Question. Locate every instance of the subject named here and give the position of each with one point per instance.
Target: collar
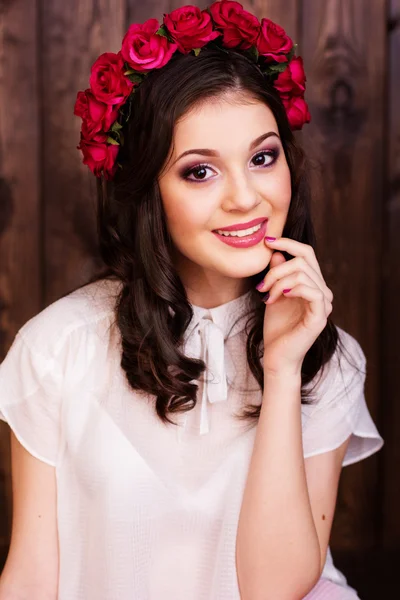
(205, 338)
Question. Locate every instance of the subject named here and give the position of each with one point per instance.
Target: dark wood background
(351, 50)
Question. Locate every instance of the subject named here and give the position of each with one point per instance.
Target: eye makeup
(185, 172)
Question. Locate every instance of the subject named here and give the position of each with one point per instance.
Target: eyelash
(274, 154)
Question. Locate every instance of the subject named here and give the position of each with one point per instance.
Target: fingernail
(265, 298)
(286, 291)
(259, 286)
(270, 239)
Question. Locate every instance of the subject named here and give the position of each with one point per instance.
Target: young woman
(175, 433)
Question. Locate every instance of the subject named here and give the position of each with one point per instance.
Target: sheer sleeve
(30, 398)
(340, 409)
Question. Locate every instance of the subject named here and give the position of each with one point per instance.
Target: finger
(296, 248)
(289, 282)
(293, 279)
(290, 266)
(315, 298)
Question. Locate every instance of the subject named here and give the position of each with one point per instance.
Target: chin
(245, 266)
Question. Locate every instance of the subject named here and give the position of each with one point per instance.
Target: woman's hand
(293, 320)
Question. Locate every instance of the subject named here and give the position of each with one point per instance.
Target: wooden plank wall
(344, 53)
(21, 251)
(47, 232)
(390, 479)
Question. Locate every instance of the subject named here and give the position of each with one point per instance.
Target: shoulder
(75, 313)
(72, 333)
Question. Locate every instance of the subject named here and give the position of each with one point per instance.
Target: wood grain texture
(138, 12)
(286, 14)
(344, 53)
(390, 400)
(20, 207)
(74, 34)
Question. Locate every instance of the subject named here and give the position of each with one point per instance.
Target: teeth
(240, 233)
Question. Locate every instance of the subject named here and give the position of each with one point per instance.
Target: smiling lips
(242, 226)
(243, 238)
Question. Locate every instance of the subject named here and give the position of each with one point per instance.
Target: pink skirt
(327, 590)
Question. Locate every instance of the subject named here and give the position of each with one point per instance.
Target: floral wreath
(105, 106)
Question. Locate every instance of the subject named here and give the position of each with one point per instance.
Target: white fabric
(148, 510)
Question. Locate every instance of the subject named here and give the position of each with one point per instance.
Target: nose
(240, 194)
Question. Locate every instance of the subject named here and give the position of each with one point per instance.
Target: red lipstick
(239, 226)
(245, 241)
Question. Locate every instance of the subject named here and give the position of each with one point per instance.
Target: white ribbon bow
(208, 344)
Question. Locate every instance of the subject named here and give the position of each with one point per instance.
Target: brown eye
(261, 157)
(199, 172)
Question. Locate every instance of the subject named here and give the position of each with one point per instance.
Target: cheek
(280, 189)
(186, 212)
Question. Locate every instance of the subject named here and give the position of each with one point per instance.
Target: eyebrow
(209, 152)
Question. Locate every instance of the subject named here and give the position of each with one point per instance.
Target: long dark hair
(136, 247)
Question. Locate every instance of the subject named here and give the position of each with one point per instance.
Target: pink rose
(190, 27)
(99, 156)
(143, 49)
(293, 79)
(297, 111)
(273, 43)
(107, 80)
(96, 115)
(239, 27)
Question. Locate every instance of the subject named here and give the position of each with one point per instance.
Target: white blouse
(148, 510)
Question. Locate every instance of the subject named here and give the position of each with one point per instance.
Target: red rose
(297, 111)
(99, 156)
(273, 42)
(143, 49)
(96, 115)
(239, 27)
(190, 27)
(293, 79)
(107, 80)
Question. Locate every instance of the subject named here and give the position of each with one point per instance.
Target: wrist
(282, 385)
(283, 374)
(286, 380)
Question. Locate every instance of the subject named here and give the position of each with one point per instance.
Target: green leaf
(292, 52)
(116, 126)
(253, 52)
(162, 31)
(196, 51)
(128, 72)
(111, 140)
(277, 68)
(136, 77)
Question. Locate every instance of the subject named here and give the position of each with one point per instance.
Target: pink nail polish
(259, 286)
(269, 238)
(286, 291)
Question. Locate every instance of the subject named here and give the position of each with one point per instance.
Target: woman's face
(229, 175)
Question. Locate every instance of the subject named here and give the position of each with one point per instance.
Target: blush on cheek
(281, 193)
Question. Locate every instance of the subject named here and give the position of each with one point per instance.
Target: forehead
(220, 124)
